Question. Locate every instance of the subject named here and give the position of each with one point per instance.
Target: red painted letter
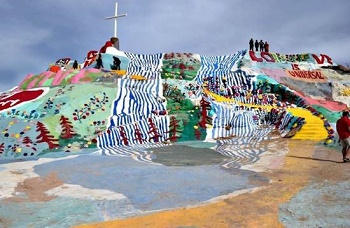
(254, 58)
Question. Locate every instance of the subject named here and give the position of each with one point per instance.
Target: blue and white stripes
(230, 122)
(145, 65)
(134, 118)
(217, 66)
(139, 118)
(239, 78)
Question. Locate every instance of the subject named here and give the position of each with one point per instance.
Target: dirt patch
(34, 189)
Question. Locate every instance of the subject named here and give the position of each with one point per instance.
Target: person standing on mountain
(251, 44)
(261, 44)
(75, 65)
(99, 63)
(266, 46)
(116, 63)
(343, 129)
(256, 45)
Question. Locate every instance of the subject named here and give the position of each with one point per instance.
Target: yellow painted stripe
(313, 129)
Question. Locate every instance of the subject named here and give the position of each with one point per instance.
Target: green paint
(180, 66)
(25, 84)
(40, 78)
(331, 116)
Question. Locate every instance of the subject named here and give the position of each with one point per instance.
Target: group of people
(259, 45)
(114, 66)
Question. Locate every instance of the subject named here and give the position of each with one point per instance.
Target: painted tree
(45, 137)
(123, 136)
(138, 134)
(28, 142)
(154, 131)
(174, 129)
(2, 148)
(67, 128)
(197, 133)
(205, 105)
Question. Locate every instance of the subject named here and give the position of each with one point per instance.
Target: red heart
(18, 98)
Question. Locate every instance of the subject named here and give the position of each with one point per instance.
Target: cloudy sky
(38, 32)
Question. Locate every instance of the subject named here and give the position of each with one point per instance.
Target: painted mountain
(154, 100)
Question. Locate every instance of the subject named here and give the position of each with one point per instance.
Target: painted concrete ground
(309, 187)
(289, 185)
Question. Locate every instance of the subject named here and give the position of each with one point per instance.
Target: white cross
(115, 18)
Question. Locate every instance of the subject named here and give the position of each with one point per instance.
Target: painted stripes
(141, 153)
(140, 64)
(134, 118)
(135, 124)
(217, 66)
(231, 122)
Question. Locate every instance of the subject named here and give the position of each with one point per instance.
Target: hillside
(158, 99)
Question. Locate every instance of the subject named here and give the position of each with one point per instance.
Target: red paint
(123, 136)
(205, 105)
(107, 44)
(67, 128)
(264, 56)
(254, 58)
(313, 75)
(295, 66)
(138, 134)
(90, 57)
(45, 136)
(154, 130)
(322, 59)
(18, 98)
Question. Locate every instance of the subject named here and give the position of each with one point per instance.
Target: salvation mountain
(154, 100)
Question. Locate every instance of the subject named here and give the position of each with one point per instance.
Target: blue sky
(37, 33)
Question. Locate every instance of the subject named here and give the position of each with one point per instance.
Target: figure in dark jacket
(116, 63)
(261, 44)
(256, 45)
(99, 63)
(75, 65)
(251, 44)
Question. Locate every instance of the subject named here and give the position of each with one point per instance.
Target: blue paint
(149, 186)
(60, 212)
(319, 205)
(63, 212)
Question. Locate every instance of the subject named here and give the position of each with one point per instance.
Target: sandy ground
(307, 164)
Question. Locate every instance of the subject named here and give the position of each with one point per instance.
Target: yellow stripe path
(313, 129)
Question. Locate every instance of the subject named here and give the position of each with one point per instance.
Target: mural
(277, 57)
(155, 100)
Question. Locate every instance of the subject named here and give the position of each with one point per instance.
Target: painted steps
(313, 129)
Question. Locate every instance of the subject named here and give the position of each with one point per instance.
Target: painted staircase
(313, 129)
